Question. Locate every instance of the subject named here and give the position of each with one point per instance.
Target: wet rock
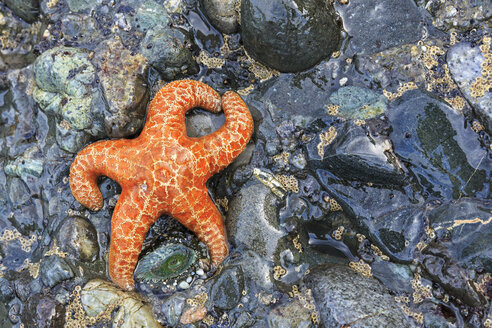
(463, 230)
(4, 316)
(367, 24)
(29, 164)
(465, 63)
(18, 40)
(148, 14)
(344, 297)
(28, 10)
(462, 14)
(44, 312)
(290, 314)
(65, 80)
(394, 276)
(222, 14)
(252, 220)
(97, 295)
(255, 268)
(392, 219)
(81, 5)
(225, 292)
(23, 288)
(168, 50)
(78, 237)
(199, 123)
(446, 158)
(358, 103)
(289, 35)
(121, 74)
(80, 29)
(173, 307)
(350, 154)
(6, 291)
(54, 270)
(451, 277)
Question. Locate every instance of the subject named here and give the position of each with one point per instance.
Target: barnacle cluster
(332, 109)
(278, 272)
(401, 90)
(224, 202)
(282, 158)
(212, 62)
(361, 267)
(11, 235)
(289, 182)
(297, 244)
(379, 253)
(483, 83)
(307, 301)
(54, 250)
(326, 138)
(334, 206)
(420, 291)
(337, 234)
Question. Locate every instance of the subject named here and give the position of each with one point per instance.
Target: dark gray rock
(252, 220)
(289, 35)
(80, 29)
(78, 237)
(465, 64)
(168, 50)
(28, 10)
(225, 292)
(463, 230)
(344, 297)
(376, 25)
(54, 270)
(6, 291)
(172, 307)
(352, 155)
(44, 312)
(222, 14)
(444, 156)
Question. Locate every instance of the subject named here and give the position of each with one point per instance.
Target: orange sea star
(163, 171)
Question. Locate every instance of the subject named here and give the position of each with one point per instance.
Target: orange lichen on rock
(163, 171)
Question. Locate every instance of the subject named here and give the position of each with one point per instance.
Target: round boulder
(289, 35)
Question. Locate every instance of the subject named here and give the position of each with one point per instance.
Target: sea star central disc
(163, 171)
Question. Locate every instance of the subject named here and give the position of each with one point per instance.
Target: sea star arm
(225, 144)
(93, 161)
(166, 113)
(204, 219)
(132, 217)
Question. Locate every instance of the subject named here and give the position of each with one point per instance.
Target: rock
(173, 307)
(289, 35)
(446, 157)
(367, 24)
(463, 14)
(80, 29)
(65, 87)
(290, 314)
(199, 123)
(350, 154)
(97, 295)
(222, 14)
(465, 63)
(4, 316)
(344, 297)
(396, 277)
(463, 231)
(78, 237)
(54, 270)
(255, 268)
(252, 220)
(44, 312)
(226, 290)
(148, 14)
(28, 10)
(168, 50)
(30, 163)
(81, 5)
(358, 103)
(6, 291)
(18, 40)
(121, 74)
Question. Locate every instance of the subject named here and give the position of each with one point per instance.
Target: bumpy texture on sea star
(163, 171)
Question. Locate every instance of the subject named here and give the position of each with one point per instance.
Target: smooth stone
(358, 103)
(255, 268)
(289, 35)
(226, 290)
(344, 297)
(222, 14)
(394, 276)
(98, 294)
(252, 220)
(290, 314)
(199, 123)
(172, 308)
(78, 237)
(168, 50)
(376, 25)
(465, 64)
(447, 159)
(54, 270)
(122, 77)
